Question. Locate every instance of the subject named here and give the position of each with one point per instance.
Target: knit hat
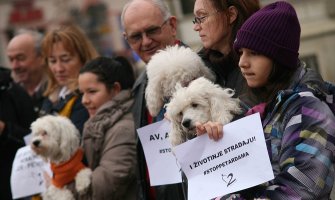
(273, 31)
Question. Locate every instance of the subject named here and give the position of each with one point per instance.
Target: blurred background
(100, 19)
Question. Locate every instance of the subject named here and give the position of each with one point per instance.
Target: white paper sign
(162, 165)
(27, 173)
(238, 161)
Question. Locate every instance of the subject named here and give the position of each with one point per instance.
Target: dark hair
(111, 70)
(245, 9)
(278, 79)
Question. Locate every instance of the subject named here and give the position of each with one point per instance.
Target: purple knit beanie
(273, 31)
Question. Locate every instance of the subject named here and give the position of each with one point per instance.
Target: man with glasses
(149, 27)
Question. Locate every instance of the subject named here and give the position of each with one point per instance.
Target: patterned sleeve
(304, 150)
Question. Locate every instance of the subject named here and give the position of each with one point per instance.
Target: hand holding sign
(225, 165)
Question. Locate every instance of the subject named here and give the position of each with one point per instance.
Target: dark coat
(165, 192)
(16, 110)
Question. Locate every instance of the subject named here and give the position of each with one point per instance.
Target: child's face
(95, 93)
(255, 67)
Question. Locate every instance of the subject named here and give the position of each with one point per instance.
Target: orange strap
(65, 173)
(66, 111)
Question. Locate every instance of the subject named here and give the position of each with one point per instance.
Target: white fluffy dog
(201, 101)
(56, 139)
(174, 64)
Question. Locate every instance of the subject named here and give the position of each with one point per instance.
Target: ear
(173, 23)
(154, 98)
(222, 105)
(116, 88)
(176, 134)
(215, 103)
(232, 14)
(124, 35)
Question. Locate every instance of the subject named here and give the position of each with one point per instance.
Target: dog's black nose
(36, 143)
(187, 123)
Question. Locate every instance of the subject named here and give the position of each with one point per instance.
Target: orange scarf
(65, 173)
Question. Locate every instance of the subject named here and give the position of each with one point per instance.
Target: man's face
(24, 61)
(146, 30)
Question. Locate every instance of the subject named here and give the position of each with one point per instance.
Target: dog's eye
(43, 133)
(180, 114)
(194, 105)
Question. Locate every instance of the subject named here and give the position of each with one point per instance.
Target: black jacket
(16, 111)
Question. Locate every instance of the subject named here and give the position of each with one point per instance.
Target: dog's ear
(223, 106)
(154, 97)
(176, 134)
(69, 141)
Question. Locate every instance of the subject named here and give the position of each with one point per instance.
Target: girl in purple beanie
(298, 123)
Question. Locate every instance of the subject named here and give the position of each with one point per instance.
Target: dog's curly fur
(56, 139)
(201, 101)
(172, 65)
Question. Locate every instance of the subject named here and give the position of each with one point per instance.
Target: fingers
(213, 129)
(200, 129)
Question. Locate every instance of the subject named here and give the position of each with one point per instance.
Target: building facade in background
(101, 21)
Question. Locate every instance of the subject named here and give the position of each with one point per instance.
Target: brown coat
(110, 149)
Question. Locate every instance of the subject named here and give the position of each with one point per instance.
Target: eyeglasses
(150, 32)
(200, 20)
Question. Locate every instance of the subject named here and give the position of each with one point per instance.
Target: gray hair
(160, 4)
(37, 38)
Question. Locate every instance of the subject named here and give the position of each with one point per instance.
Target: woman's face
(256, 68)
(64, 65)
(95, 93)
(212, 26)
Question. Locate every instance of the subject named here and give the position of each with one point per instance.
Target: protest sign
(27, 173)
(237, 161)
(163, 166)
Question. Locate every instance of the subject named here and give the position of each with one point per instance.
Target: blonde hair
(75, 41)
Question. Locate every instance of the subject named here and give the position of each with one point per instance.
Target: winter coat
(16, 110)
(77, 113)
(299, 129)
(141, 118)
(110, 149)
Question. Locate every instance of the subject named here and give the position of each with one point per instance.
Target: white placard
(162, 165)
(27, 173)
(237, 161)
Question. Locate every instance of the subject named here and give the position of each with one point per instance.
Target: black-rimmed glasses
(150, 32)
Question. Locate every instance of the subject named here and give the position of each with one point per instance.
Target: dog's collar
(65, 173)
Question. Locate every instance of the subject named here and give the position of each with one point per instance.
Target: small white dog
(174, 64)
(201, 101)
(56, 139)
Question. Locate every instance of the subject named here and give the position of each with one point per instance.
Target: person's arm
(305, 153)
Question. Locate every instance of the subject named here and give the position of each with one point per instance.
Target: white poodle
(201, 101)
(56, 139)
(174, 64)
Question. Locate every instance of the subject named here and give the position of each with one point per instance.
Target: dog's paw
(54, 193)
(83, 180)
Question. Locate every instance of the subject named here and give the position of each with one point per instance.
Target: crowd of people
(253, 50)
